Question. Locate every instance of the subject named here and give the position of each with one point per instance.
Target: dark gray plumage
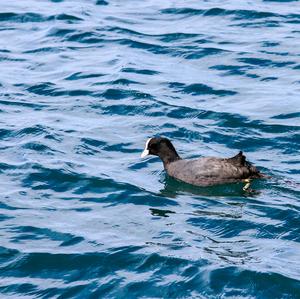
(203, 171)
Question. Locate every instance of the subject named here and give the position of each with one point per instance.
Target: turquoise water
(83, 84)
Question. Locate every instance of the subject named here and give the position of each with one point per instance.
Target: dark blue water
(83, 84)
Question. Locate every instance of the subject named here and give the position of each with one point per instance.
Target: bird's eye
(153, 146)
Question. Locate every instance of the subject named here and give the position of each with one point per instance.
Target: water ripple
(81, 90)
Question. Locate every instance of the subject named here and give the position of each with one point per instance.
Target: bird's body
(210, 171)
(203, 172)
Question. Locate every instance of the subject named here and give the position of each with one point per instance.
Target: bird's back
(210, 170)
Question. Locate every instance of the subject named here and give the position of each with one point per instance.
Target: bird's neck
(169, 158)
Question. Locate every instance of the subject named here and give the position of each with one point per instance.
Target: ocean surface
(84, 84)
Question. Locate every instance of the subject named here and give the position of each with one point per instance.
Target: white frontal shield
(146, 151)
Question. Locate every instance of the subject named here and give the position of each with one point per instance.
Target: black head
(161, 147)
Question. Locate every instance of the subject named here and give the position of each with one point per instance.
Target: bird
(203, 172)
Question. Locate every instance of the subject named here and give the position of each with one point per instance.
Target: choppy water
(83, 85)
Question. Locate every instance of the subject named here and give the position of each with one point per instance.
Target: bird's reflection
(174, 188)
(160, 212)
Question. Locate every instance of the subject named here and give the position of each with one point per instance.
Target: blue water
(83, 84)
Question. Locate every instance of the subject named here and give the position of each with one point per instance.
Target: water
(84, 84)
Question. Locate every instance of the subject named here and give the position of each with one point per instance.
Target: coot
(203, 172)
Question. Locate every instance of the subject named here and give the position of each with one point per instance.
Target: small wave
(202, 52)
(117, 94)
(33, 131)
(25, 104)
(168, 37)
(21, 17)
(44, 49)
(49, 89)
(80, 75)
(212, 12)
(85, 37)
(102, 2)
(40, 148)
(135, 44)
(232, 70)
(200, 89)
(37, 233)
(61, 180)
(287, 116)
(60, 32)
(65, 17)
(178, 36)
(265, 62)
(140, 71)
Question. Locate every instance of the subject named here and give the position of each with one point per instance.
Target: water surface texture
(83, 84)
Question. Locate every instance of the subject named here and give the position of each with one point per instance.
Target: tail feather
(240, 160)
